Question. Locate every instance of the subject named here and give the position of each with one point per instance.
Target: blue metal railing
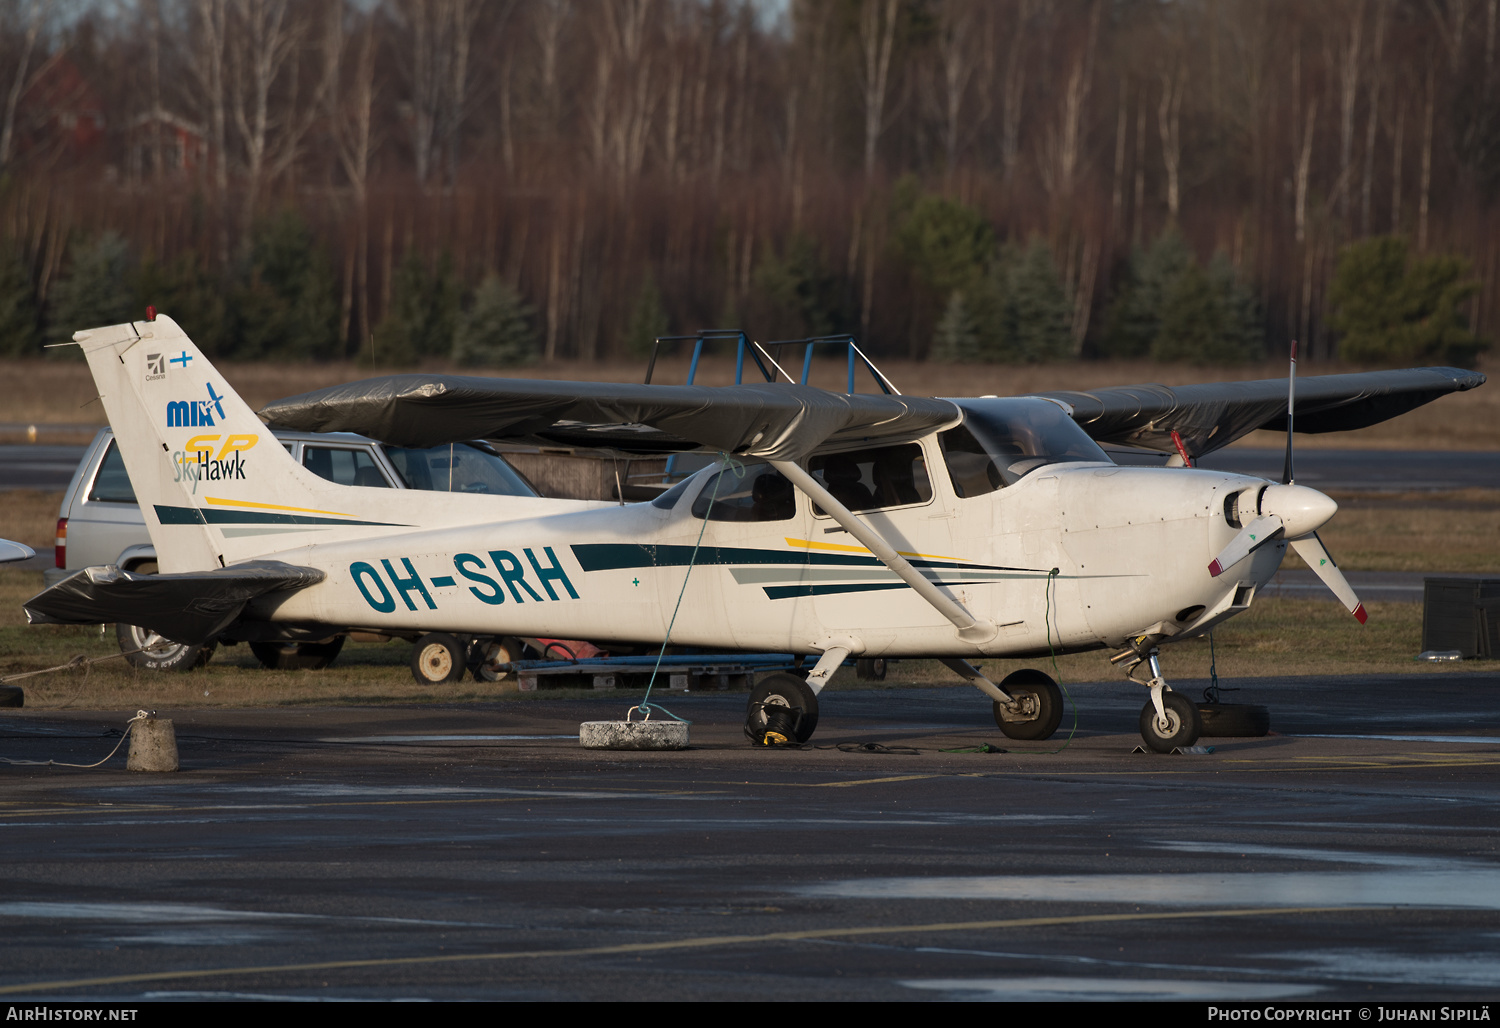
(762, 355)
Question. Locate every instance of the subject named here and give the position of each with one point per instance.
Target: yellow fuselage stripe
(272, 506)
(810, 544)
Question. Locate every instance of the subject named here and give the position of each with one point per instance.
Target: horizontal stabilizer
(189, 608)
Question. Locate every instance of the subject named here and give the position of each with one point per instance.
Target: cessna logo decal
(198, 462)
(156, 367)
(405, 582)
(196, 413)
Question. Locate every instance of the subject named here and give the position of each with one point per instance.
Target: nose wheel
(1169, 720)
(1176, 725)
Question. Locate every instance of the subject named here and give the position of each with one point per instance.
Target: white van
(100, 523)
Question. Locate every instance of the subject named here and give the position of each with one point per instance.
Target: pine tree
(497, 331)
(1039, 315)
(1392, 308)
(286, 304)
(795, 294)
(956, 340)
(422, 318)
(185, 290)
(1242, 335)
(648, 319)
(1135, 314)
(94, 292)
(19, 335)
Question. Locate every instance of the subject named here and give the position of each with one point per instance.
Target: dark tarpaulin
(189, 608)
(775, 421)
(1213, 415)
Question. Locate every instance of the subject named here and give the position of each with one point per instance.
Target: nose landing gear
(1169, 720)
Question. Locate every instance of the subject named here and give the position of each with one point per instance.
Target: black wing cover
(1210, 416)
(776, 421)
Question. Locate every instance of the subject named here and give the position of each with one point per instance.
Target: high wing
(781, 421)
(1215, 414)
(774, 421)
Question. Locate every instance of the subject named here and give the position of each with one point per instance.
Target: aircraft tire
(489, 651)
(12, 696)
(295, 656)
(870, 669)
(781, 690)
(1049, 700)
(1234, 720)
(1184, 725)
(437, 659)
(146, 649)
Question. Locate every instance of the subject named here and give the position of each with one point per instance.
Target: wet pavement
(476, 852)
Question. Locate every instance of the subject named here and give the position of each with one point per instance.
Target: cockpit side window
(761, 494)
(972, 469)
(1003, 440)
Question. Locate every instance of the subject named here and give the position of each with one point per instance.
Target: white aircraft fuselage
(1130, 547)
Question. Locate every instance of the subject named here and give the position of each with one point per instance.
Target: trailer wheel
(437, 659)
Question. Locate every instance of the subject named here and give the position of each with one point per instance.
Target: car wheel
(147, 649)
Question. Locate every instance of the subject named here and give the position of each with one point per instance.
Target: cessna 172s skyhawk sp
(836, 525)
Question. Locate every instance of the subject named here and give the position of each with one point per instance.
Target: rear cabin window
(887, 476)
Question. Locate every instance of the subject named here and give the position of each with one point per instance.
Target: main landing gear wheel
(295, 656)
(1234, 720)
(782, 709)
(437, 659)
(1048, 701)
(1182, 726)
(870, 669)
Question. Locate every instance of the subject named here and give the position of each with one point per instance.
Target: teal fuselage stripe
(785, 592)
(195, 516)
(633, 556)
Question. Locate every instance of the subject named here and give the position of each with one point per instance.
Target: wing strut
(970, 629)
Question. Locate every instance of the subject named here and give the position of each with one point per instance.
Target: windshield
(1001, 441)
(458, 468)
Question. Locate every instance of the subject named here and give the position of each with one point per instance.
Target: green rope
(738, 470)
(1056, 671)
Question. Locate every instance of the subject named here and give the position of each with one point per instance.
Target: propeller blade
(1315, 555)
(1252, 537)
(1291, 404)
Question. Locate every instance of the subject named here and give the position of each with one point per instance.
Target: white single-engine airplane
(836, 525)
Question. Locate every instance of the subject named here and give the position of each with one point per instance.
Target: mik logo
(406, 583)
(196, 413)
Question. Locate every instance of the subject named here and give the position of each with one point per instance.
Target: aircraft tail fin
(213, 482)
